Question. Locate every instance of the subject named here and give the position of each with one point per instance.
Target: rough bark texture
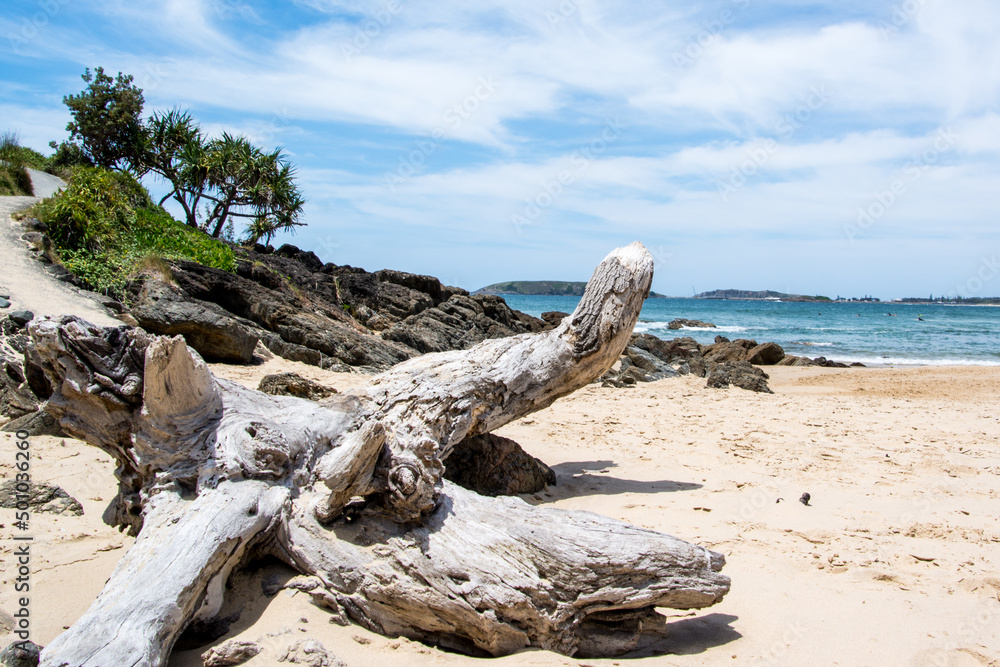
(350, 491)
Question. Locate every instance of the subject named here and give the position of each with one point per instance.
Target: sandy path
(45, 185)
(25, 281)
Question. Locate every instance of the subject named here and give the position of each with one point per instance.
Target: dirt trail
(24, 280)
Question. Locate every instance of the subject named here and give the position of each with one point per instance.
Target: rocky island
(541, 288)
(761, 295)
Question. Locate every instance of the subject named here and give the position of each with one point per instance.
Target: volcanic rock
(166, 310)
(492, 465)
(766, 354)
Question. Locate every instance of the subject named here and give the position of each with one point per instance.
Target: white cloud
(839, 106)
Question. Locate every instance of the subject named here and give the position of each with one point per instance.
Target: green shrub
(65, 157)
(105, 228)
(14, 159)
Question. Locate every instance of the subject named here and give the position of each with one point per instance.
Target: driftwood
(350, 492)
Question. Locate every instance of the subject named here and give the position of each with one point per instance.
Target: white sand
(896, 561)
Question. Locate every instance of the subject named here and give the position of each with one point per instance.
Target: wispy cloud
(439, 123)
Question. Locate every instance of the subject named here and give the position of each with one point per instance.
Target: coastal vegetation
(105, 229)
(106, 125)
(218, 180)
(215, 180)
(14, 163)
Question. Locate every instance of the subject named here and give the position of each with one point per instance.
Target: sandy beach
(896, 560)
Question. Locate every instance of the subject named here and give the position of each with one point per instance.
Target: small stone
(21, 317)
(20, 654)
(805, 498)
(232, 652)
(4, 303)
(310, 652)
(293, 384)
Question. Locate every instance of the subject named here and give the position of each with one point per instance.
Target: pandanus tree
(216, 181)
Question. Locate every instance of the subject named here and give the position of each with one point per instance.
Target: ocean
(846, 332)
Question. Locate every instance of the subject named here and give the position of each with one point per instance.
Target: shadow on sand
(574, 479)
(689, 636)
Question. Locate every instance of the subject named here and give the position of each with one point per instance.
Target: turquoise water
(848, 332)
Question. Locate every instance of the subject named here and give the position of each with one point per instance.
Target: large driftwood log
(350, 492)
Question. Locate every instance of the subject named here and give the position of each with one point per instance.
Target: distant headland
(541, 288)
(762, 295)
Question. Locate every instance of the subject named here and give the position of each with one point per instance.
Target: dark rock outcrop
(492, 465)
(16, 397)
(38, 422)
(765, 354)
(335, 316)
(306, 324)
(305, 257)
(655, 368)
(456, 324)
(792, 360)
(683, 355)
(728, 352)
(216, 336)
(827, 363)
(20, 318)
(554, 318)
(293, 384)
(741, 374)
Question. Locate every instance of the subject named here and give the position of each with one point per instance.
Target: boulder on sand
(766, 354)
(728, 352)
(792, 360)
(492, 465)
(166, 310)
(741, 374)
(293, 384)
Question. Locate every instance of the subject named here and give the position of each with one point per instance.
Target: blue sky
(831, 148)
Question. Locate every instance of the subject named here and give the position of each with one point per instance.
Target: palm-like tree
(222, 178)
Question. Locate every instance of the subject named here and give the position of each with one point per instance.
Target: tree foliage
(107, 121)
(218, 180)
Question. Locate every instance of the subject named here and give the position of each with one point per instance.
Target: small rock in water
(20, 654)
(805, 498)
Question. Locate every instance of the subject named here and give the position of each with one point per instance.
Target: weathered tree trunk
(350, 492)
